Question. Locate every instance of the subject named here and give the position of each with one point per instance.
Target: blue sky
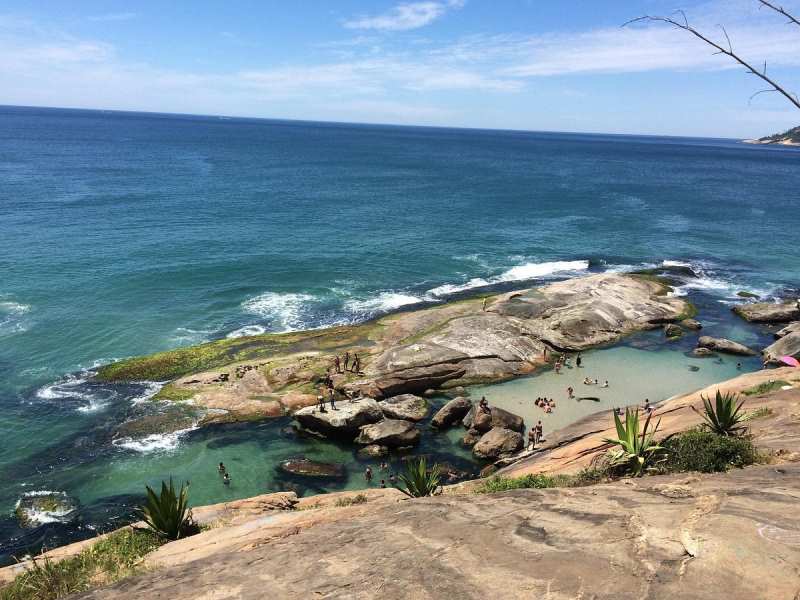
(558, 65)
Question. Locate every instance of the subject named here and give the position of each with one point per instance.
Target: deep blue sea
(127, 233)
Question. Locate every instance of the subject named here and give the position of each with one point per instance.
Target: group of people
(222, 470)
(646, 407)
(589, 381)
(535, 435)
(343, 365)
(368, 475)
(563, 361)
(547, 405)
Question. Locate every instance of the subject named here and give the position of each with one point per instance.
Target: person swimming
(226, 479)
(605, 385)
(221, 468)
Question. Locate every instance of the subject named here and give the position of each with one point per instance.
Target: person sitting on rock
(484, 404)
(647, 406)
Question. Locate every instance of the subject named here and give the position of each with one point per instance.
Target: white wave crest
(38, 515)
(448, 289)
(151, 388)
(383, 302)
(247, 330)
(68, 388)
(156, 442)
(283, 310)
(12, 317)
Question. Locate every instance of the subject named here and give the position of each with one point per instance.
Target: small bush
(707, 452)
(759, 413)
(168, 513)
(724, 416)
(763, 388)
(541, 481)
(418, 480)
(351, 500)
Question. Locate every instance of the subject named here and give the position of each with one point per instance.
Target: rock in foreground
(498, 442)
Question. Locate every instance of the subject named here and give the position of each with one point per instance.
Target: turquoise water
(125, 234)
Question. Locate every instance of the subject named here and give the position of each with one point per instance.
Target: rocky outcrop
(36, 508)
(405, 406)
(702, 352)
(768, 312)
(692, 324)
(790, 328)
(672, 331)
(787, 345)
(344, 422)
(392, 433)
(724, 345)
(451, 413)
(496, 417)
(416, 380)
(496, 443)
(305, 467)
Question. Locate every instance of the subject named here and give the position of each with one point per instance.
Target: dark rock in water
(672, 331)
(767, 312)
(702, 353)
(497, 417)
(174, 418)
(451, 413)
(679, 270)
(724, 345)
(694, 368)
(305, 467)
(692, 324)
(429, 393)
(497, 443)
(37, 508)
(393, 433)
(746, 294)
(405, 406)
(373, 451)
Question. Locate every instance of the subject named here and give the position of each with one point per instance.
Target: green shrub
(350, 500)
(418, 480)
(637, 452)
(724, 416)
(541, 481)
(763, 388)
(707, 452)
(168, 514)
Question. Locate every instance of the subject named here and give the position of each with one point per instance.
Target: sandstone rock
(417, 379)
(724, 345)
(672, 331)
(482, 421)
(767, 312)
(310, 468)
(373, 451)
(405, 406)
(457, 391)
(471, 438)
(498, 442)
(788, 345)
(702, 352)
(692, 324)
(344, 422)
(790, 328)
(497, 417)
(394, 433)
(451, 413)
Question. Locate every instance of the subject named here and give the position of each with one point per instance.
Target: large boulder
(790, 328)
(768, 312)
(672, 331)
(692, 324)
(497, 417)
(310, 468)
(416, 380)
(343, 422)
(788, 345)
(724, 345)
(497, 442)
(393, 433)
(451, 413)
(406, 406)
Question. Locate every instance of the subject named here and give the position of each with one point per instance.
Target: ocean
(129, 233)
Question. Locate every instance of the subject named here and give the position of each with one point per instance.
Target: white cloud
(120, 16)
(410, 15)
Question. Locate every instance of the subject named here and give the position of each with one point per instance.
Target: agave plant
(724, 417)
(637, 451)
(418, 480)
(168, 514)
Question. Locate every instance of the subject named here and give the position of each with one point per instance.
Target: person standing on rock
(356, 364)
(338, 364)
(332, 397)
(346, 359)
(539, 432)
(321, 403)
(532, 438)
(485, 300)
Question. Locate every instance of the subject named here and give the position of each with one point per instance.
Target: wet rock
(471, 438)
(305, 467)
(406, 406)
(457, 391)
(692, 324)
(429, 393)
(451, 413)
(767, 312)
(497, 443)
(702, 352)
(672, 331)
(724, 345)
(373, 451)
(344, 422)
(37, 508)
(393, 433)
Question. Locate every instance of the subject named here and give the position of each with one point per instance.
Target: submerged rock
(724, 345)
(702, 353)
(406, 406)
(498, 442)
(767, 312)
(451, 413)
(672, 331)
(692, 324)
(471, 438)
(373, 451)
(394, 433)
(38, 508)
(310, 468)
(345, 421)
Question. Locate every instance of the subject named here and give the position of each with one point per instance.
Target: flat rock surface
(406, 406)
(769, 312)
(732, 536)
(345, 420)
(393, 433)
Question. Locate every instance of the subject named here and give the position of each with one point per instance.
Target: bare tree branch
(781, 10)
(774, 85)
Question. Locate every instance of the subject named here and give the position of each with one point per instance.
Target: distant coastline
(787, 138)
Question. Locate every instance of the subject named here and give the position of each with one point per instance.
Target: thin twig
(781, 10)
(721, 50)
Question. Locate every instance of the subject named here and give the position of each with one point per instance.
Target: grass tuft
(351, 500)
(541, 481)
(766, 387)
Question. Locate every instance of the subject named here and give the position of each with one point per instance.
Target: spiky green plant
(418, 480)
(168, 514)
(637, 452)
(724, 417)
